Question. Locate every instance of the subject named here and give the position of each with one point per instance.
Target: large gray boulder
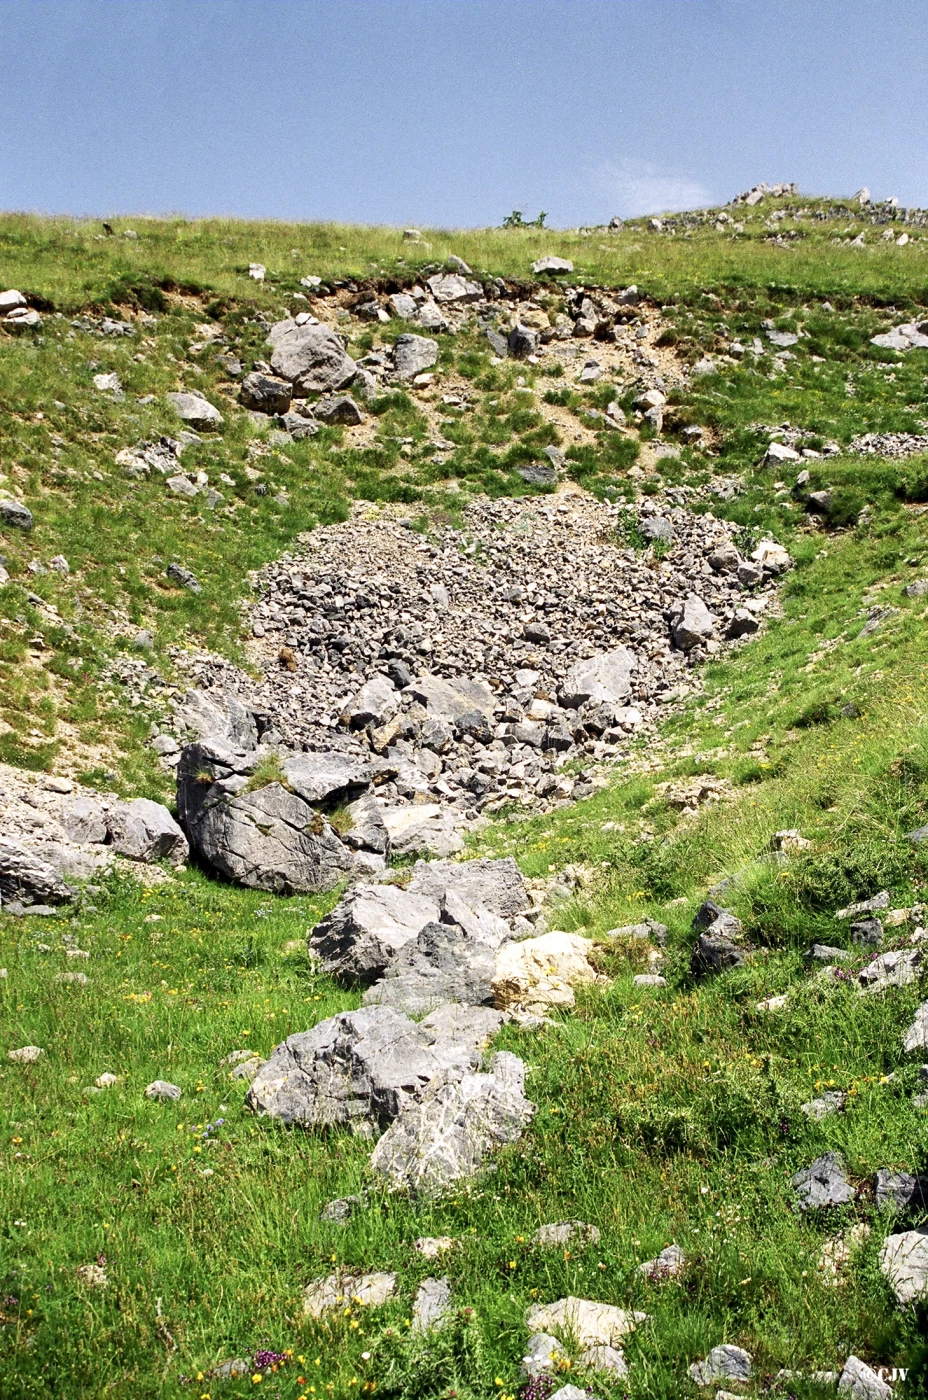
(451, 699)
(145, 831)
(424, 828)
(26, 876)
(361, 1068)
(496, 885)
(197, 412)
(362, 935)
(312, 358)
(456, 1122)
(605, 679)
(367, 830)
(412, 354)
(266, 838)
(441, 965)
(448, 288)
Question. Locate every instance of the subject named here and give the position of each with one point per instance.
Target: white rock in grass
(591, 1324)
(859, 1380)
(27, 1055)
(724, 1363)
(916, 1037)
(904, 1262)
(94, 1275)
(104, 1081)
(342, 1289)
(432, 1246)
(538, 973)
(161, 1089)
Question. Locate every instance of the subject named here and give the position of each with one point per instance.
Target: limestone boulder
(312, 358)
(537, 974)
(449, 1132)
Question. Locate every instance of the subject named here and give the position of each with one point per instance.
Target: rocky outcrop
(311, 358)
(25, 876)
(361, 1067)
(367, 928)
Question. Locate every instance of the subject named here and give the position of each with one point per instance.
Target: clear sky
(453, 112)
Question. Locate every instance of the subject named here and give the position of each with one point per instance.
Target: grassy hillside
(664, 1115)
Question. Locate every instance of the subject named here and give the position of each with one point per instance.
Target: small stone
(566, 1232)
(27, 1055)
(904, 1263)
(668, 1264)
(724, 1363)
(339, 1290)
(93, 1275)
(106, 1080)
(552, 264)
(823, 1107)
(824, 1183)
(858, 1380)
(433, 1246)
(161, 1089)
(431, 1304)
(14, 514)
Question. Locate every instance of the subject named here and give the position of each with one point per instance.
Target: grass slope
(668, 1115)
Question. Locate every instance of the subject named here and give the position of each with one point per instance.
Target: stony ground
(614, 596)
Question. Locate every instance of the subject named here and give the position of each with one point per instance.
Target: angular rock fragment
(342, 1289)
(312, 358)
(432, 1304)
(824, 1183)
(24, 875)
(441, 965)
(367, 928)
(724, 1363)
(453, 1127)
(904, 1263)
(860, 1381)
(539, 973)
(588, 1323)
(361, 1068)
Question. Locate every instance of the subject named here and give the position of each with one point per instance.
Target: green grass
(670, 1115)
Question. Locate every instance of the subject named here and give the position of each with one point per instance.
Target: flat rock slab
(668, 1264)
(319, 776)
(724, 1363)
(23, 874)
(361, 1068)
(901, 1190)
(588, 1323)
(916, 1037)
(904, 1263)
(423, 829)
(342, 1289)
(455, 1125)
(497, 885)
(162, 1089)
(824, 1183)
(451, 699)
(566, 1232)
(601, 680)
(432, 1304)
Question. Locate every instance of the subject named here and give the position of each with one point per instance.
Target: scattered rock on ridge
(195, 410)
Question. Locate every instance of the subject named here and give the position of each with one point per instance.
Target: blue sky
(453, 112)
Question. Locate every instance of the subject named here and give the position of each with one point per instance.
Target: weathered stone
(145, 831)
(587, 1323)
(264, 393)
(432, 1304)
(196, 411)
(375, 703)
(269, 838)
(898, 968)
(26, 1054)
(325, 776)
(362, 935)
(403, 306)
(608, 1360)
(450, 699)
(552, 264)
(859, 1380)
(441, 965)
(824, 1183)
(602, 679)
(26, 876)
(433, 1246)
(361, 1067)
(161, 1089)
(457, 1122)
(564, 1233)
(904, 1263)
(696, 624)
(714, 952)
(496, 885)
(901, 1190)
(341, 409)
(542, 1355)
(522, 342)
(539, 973)
(724, 1363)
(668, 1264)
(423, 829)
(412, 354)
(338, 1290)
(367, 830)
(916, 1037)
(16, 515)
(312, 358)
